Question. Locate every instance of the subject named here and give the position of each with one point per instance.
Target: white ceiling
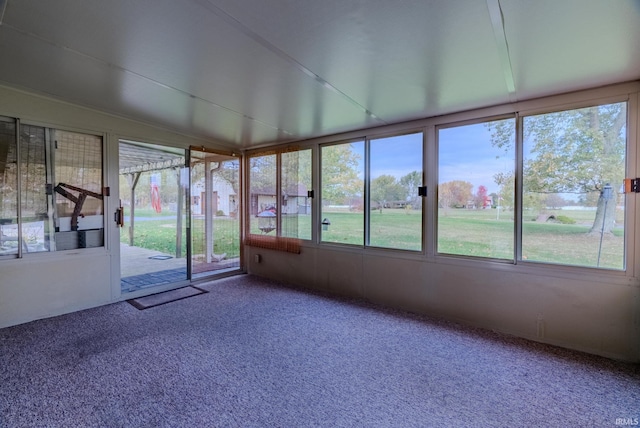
(252, 72)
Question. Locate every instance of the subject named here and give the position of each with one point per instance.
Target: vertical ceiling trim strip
(497, 23)
(3, 7)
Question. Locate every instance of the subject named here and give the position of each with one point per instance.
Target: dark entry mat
(160, 257)
(158, 299)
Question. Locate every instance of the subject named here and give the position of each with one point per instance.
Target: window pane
(36, 226)
(396, 208)
(262, 193)
(8, 189)
(296, 205)
(476, 190)
(215, 205)
(574, 166)
(342, 188)
(77, 176)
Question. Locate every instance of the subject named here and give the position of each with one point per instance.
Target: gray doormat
(160, 257)
(158, 299)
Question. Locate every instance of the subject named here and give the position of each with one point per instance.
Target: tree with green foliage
(386, 188)
(506, 181)
(262, 174)
(340, 182)
(574, 151)
(296, 170)
(554, 201)
(410, 183)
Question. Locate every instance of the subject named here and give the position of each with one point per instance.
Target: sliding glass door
(179, 215)
(154, 184)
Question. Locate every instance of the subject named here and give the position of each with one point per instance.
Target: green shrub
(564, 219)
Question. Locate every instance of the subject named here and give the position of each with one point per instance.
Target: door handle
(118, 216)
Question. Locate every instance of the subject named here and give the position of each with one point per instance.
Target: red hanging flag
(155, 198)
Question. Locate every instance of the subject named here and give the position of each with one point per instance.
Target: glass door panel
(10, 239)
(154, 183)
(215, 208)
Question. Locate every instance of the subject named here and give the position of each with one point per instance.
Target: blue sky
(465, 153)
(396, 156)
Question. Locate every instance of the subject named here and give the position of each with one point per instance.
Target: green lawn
(160, 234)
(480, 233)
(477, 233)
(479, 236)
(389, 229)
(571, 244)
(149, 212)
(226, 238)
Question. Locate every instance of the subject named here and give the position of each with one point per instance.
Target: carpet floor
(253, 353)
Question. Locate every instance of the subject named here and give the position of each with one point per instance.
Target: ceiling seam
(141, 76)
(229, 19)
(497, 23)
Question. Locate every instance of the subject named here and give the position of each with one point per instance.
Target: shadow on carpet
(165, 297)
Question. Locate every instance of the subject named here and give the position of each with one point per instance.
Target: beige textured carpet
(252, 353)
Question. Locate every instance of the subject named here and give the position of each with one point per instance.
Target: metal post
(208, 210)
(179, 216)
(132, 179)
(19, 186)
(606, 194)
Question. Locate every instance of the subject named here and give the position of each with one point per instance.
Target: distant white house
(224, 198)
(295, 200)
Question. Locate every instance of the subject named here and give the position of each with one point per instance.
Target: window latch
(422, 191)
(632, 185)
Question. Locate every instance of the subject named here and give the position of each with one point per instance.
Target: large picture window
(280, 204)
(395, 176)
(295, 201)
(77, 185)
(476, 189)
(263, 193)
(342, 188)
(571, 208)
(370, 192)
(57, 177)
(534, 188)
(573, 170)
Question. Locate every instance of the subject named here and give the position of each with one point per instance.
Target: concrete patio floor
(139, 271)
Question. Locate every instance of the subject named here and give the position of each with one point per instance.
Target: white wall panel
(340, 272)
(52, 284)
(43, 285)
